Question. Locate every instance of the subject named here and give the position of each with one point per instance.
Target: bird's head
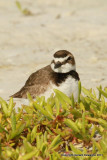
(63, 62)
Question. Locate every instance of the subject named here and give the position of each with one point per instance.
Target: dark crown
(61, 54)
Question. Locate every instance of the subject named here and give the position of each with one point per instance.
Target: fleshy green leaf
(13, 121)
(102, 92)
(72, 125)
(63, 96)
(79, 91)
(55, 142)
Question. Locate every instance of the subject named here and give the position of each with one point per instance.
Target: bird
(60, 74)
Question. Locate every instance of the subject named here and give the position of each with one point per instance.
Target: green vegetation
(46, 130)
(24, 11)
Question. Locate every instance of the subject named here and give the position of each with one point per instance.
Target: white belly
(69, 86)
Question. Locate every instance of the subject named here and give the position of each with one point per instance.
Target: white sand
(28, 42)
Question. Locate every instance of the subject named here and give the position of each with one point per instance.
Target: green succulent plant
(56, 129)
(24, 11)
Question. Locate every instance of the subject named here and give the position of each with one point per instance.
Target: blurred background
(31, 31)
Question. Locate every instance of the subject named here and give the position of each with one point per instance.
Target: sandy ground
(27, 43)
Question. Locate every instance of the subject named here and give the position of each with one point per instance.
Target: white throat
(67, 67)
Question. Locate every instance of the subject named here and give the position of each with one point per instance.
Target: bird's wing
(36, 84)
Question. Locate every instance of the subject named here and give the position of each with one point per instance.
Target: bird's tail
(16, 95)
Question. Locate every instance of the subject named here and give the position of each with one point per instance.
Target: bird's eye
(69, 58)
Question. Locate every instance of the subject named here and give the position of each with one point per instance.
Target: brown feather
(39, 81)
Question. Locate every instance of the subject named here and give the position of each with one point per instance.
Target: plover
(60, 74)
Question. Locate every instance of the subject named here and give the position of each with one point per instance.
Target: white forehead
(61, 59)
